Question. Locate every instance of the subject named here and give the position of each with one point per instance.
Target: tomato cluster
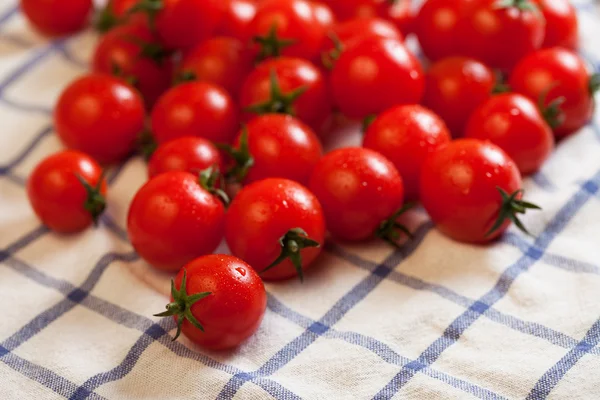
(231, 102)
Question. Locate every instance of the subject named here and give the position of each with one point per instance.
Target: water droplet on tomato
(241, 270)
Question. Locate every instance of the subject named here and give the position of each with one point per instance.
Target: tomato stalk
(94, 203)
(241, 156)
(208, 180)
(146, 144)
(150, 7)
(521, 5)
(552, 113)
(511, 206)
(291, 244)
(278, 103)
(271, 45)
(594, 83)
(367, 121)
(149, 50)
(185, 76)
(181, 305)
(328, 58)
(389, 230)
(106, 19)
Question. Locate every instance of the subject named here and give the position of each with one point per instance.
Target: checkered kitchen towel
(433, 320)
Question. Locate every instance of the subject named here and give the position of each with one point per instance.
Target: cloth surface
(434, 319)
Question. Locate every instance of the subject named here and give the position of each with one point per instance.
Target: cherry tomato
(561, 23)
(289, 86)
(276, 226)
(57, 17)
(67, 191)
(374, 75)
(437, 26)
(218, 301)
(500, 34)
(223, 61)
(182, 24)
(472, 190)
(396, 11)
(237, 19)
(361, 193)
(288, 28)
(101, 116)
(275, 146)
(513, 123)
(175, 218)
(402, 15)
(406, 135)
(455, 86)
(195, 109)
(131, 52)
(324, 15)
(189, 153)
(560, 79)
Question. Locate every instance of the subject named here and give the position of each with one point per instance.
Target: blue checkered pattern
(455, 350)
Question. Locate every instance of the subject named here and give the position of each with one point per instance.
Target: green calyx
(552, 112)
(279, 103)
(117, 71)
(241, 156)
(594, 84)
(146, 144)
(185, 76)
(367, 121)
(181, 305)
(390, 230)
(149, 50)
(208, 179)
(329, 58)
(291, 244)
(150, 7)
(510, 208)
(94, 203)
(106, 19)
(271, 45)
(521, 5)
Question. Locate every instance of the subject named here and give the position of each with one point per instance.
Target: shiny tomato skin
(565, 74)
(237, 19)
(437, 25)
(57, 17)
(324, 15)
(282, 147)
(374, 75)
(406, 135)
(265, 211)
(500, 36)
(195, 109)
(513, 123)
(562, 26)
(182, 24)
(56, 194)
(221, 60)
(455, 86)
(313, 107)
(459, 188)
(118, 48)
(234, 309)
(293, 20)
(100, 115)
(173, 220)
(189, 153)
(358, 189)
(402, 15)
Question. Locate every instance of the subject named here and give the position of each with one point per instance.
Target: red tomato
(101, 116)
(277, 226)
(437, 25)
(195, 109)
(237, 19)
(374, 75)
(397, 11)
(130, 52)
(406, 135)
(218, 301)
(324, 15)
(182, 24)
(175, 218)
(289, 86)
(189, 153)
(472, 190)
(561, 23)
(275, 146)
(455, 87)
(57, 17)
(67, 191)
(360, 191)
(288, 28)
(223, 61)
(500, 34)
(402, 15)
(558, 77)
(513, 123)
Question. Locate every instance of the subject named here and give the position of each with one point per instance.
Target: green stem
(292, 244)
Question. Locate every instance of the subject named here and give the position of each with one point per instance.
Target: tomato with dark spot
(562, 27)
(57, 17)
(359, 190)
(276, 224)
(195, 109)
(189, 153)
(514, 123)
(174, 219)
(218, 301)
(455, 86)
(67, 191)
(100, 115)
(406, 135)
